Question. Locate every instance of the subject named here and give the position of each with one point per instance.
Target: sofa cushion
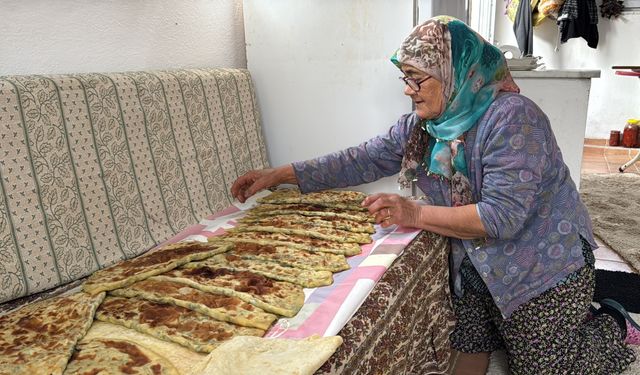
(95, 168)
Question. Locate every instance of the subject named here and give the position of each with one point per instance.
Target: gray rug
(613, 201)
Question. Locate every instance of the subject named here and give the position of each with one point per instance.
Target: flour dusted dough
(186, 361)
(244, 355)
(116, 356)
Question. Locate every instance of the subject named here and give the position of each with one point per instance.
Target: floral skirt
(551, 334)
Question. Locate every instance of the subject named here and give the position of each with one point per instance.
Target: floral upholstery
(95, 168)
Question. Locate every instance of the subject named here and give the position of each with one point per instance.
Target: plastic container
(630, 134)
(614, 138)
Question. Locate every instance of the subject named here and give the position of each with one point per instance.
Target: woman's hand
(392, 209)
(458, 222)
(259, 179)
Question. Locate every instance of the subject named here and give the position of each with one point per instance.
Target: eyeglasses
(412, 83)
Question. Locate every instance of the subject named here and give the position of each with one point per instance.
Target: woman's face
(428, 99)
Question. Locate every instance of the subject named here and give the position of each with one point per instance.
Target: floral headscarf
(472, 72)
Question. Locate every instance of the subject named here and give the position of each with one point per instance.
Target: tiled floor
(607, 259)
(597, 157)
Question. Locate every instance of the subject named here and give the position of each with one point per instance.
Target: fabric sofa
(96, 168)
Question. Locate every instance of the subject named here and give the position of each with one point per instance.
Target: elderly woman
(521, 261)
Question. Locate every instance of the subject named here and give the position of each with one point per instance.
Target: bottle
(630, 134)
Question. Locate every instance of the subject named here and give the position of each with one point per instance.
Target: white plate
(514, 68)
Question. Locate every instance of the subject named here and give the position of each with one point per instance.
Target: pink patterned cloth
(633, 335)
(326, 309)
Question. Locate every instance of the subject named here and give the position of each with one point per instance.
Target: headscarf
(472, 72)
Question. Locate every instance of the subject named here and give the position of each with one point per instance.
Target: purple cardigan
(526, 199)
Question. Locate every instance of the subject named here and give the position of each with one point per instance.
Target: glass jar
(630, 134)
(635, 122)
(614, 138)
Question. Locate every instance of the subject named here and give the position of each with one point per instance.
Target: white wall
(613, 98)
(323, 76)
(68, 36)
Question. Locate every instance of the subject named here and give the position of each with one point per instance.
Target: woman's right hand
(259, 179)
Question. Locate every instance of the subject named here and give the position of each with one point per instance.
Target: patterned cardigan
(526, 199)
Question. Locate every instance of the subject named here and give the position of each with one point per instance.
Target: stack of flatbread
(190, 297)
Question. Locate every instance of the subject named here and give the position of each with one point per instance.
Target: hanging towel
(523, 28)
(579, 18)
(536, 14)
(550, 8)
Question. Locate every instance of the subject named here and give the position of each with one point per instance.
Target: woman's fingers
(383, 206)
(254, 181)
(390, 209)
(259, 184)
(383, 216)
(245, 185)
(241, 184)
(377, 202)
(371, 199)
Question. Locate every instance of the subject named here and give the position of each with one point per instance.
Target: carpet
(623, 287)
(613, 201)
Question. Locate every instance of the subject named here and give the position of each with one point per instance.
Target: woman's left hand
(392, 209)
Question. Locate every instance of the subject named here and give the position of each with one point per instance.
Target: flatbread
(152, 263)
(304, 277)
(291, 257)
(294, 220)
(348, 200)
(109, 356)
(254, 355)
(278, 297)
(186, 361)
(294, 241)
(305, 229)
(341, 196)
(188, 328)
(217, 306)
(39, 338)
(266, 209)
